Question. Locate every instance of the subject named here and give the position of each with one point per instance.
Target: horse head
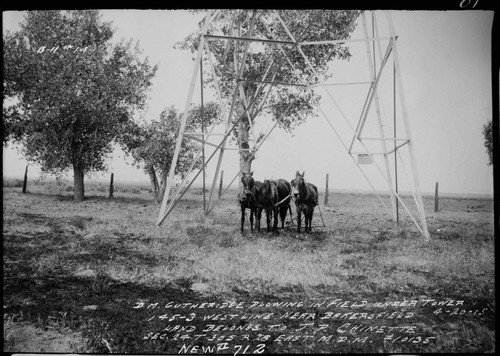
(248, 185)
(297, 184)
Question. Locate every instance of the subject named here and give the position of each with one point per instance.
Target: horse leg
(258, 215)
(299, 213)
(283, 216)
(252, 211)
(309, 218)
(269, 215)
(242, 217)
(276, 218)
(306, 218)
(306, 221)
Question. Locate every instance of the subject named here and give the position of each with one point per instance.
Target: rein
(282, 200)
(285, 198)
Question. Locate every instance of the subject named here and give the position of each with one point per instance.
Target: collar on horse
(243, 197)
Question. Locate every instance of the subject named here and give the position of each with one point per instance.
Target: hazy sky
(445, 61)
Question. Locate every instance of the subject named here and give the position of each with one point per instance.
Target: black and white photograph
(249, 181)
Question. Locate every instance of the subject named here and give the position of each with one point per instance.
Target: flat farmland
(100, 276)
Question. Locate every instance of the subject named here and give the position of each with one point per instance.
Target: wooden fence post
(25, 182)
(111, 186)
(220, 184)
(436, 198)
(326, 190)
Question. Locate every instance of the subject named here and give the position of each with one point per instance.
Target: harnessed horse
(274, 197)
(267, 199)
(247, 197)
(306, 198)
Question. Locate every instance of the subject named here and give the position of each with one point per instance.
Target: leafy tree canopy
(488, 140)
(303, 25)
(290, 63)
(152, 144)
(70, 89)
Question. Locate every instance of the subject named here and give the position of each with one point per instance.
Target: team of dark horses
(274, 197)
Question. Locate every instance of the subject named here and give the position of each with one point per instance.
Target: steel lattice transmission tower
(376, 150)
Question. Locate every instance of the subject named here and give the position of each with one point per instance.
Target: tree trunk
(111, 185)
(25, 182)
(79, 188)
(155, 187)
(163, 185)
(246, 158)
(245, 162)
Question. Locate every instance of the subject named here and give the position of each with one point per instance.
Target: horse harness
(307, 194)
(276, 194)
(242, 196)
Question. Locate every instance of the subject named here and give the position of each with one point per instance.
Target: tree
(151, 144)
(70, 90)
(488, 140)
(288, 105)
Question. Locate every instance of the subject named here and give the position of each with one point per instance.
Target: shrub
(13, 183)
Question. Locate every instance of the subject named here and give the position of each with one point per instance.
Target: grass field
(99, 276)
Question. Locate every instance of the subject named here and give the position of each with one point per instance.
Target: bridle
(300, 195)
